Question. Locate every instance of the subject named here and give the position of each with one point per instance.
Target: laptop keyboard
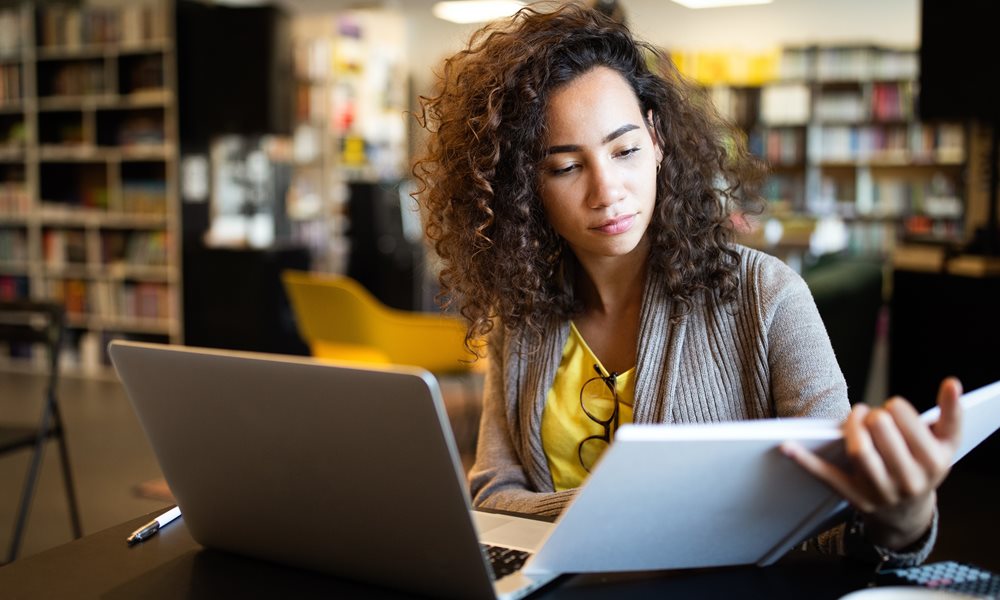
(504, 560)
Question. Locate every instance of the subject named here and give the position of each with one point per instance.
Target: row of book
(13, 287)
(88, 194)
(10, 84)
(131, 133)
(784, 193)
(112, 300)
(13, 245)
(144, 197)
(61, 247)
(14, 199)
(849, 107)
(66, 26)
(75, 79)
(141, 129)
(872, 238)
(848, 63)
(136, 248)
(886, 102)
(809, 63)
(914, 142)
(738, 105)
(936, 198)
(780, 146)
(892, 101)
(785, 104)
(792, 104)
(893, 198)
(883, 238)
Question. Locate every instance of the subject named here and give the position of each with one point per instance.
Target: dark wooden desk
(172, 565)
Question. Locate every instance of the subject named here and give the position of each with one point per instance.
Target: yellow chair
(342, 320)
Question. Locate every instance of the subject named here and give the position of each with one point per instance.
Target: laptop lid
(344, 469)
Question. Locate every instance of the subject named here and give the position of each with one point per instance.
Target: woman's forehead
(592, 105)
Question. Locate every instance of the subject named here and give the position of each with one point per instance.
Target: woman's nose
(606, 186)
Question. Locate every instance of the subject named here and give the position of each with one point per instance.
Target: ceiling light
(475, 11)
(719, 3)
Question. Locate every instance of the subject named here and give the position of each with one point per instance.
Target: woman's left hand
(896, 463)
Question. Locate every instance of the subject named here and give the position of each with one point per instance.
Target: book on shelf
(10, 84)
(785, 104)
(892, 101)
(13, 245)
(71, 27)
(14, 199)
(141, 130)
(141, 74)
(134, 248)
(147, 197)
(843, 106)
(61, 247)
(13, 287)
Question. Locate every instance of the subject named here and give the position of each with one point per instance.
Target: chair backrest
(37, 323)
(340, 319)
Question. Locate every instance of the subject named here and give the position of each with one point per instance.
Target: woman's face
(598, 179)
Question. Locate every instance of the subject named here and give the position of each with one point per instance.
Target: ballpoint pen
(149, 529)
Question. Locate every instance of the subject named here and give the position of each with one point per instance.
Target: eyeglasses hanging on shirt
(599, 401)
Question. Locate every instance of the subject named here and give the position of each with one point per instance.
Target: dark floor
(108, 453)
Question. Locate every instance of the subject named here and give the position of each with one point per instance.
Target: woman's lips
(616, 225)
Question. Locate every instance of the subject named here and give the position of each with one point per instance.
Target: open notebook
(683, 496)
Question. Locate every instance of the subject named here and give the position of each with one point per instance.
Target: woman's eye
(628, 152)
(561, 170)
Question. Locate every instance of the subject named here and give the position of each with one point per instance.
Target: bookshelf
(89, 209)
(350, 102)
(838, 127)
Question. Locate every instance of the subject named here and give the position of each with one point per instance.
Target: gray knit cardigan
(768, 355)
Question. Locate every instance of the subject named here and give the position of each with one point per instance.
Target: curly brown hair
(479, 177)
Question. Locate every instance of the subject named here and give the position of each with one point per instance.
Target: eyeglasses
(599, 401)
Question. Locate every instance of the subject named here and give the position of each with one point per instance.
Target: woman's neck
(608, 285)
(611, 291)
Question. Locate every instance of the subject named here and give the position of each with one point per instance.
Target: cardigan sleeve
(806, 381)
(805, 378)
(497, 479)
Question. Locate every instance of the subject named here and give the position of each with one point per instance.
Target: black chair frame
(38, 324)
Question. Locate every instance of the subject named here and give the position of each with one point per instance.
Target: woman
(582, 205)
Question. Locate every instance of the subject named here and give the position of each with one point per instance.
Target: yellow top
(565, 425)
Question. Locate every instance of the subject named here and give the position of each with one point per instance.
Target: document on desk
(689, 496)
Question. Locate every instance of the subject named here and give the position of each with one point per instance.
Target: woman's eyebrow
(611, 136)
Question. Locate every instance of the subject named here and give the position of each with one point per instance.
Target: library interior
(238, 175)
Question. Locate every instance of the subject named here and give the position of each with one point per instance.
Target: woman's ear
(655, 137)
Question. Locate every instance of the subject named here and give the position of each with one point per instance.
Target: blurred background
(163, 162)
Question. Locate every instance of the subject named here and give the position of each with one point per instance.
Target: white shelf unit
(89, 202)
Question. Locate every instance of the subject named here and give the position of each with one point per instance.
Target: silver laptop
(343, 469)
